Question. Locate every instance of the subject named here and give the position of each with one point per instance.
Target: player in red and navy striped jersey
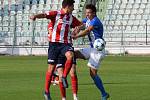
(60, 43)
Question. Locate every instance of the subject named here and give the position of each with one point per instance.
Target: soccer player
(60, 42)
(94, 26)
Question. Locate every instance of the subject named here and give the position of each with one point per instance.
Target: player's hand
(75, 32)
(33, 18)
(74, 36)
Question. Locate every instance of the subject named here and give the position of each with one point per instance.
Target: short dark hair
(91, 6)
(67, 3)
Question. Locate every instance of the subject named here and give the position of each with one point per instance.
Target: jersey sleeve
(96, 23)
(75, 22)
(92, 23)
(84, 20)
(51, 14)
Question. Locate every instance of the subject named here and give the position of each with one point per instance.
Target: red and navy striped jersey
(60, 25)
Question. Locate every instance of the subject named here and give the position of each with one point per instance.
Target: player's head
(68, 5)
(90, 11)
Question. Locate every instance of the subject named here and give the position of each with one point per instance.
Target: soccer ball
(99, 44)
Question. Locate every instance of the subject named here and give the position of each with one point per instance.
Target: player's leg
(98, 82)
(73, 74)
(94, 64)
(60, 69)
(62, 88)
(55, 77)
(69, 56)
(74, 81)
(68, 51)
(48, 81)
(52, 60)
(79, 54)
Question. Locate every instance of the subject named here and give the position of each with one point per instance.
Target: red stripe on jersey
(50, 29)
(52, 16)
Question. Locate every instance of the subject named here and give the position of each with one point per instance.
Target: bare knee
(93, 72)
(60, 73)
(50, 68)
(69, 55)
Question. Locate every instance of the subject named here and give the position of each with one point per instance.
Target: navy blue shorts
(58, 50)
(62, 59)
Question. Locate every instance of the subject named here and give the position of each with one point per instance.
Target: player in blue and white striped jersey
(93, 25)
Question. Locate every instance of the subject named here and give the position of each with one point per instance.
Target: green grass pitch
(124, 77)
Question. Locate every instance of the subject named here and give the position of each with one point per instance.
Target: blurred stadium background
(126, 25)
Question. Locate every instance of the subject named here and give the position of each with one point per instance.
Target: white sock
(75, 97)
(63, 98)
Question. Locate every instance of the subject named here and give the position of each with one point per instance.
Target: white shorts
(95, 57)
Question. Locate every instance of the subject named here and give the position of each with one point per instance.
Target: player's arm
(48, 15)
(76, 25)
(34, 17)
(83, 26)
(84, 32)
(77, 29)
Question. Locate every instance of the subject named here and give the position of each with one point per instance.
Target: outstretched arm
(38, 16)
(83, 33)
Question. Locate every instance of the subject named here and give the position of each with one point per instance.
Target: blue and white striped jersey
(97, 32)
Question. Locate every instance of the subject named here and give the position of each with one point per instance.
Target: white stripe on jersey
(87, 23)
(91, 35)
(55, 26)
(62, 31)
